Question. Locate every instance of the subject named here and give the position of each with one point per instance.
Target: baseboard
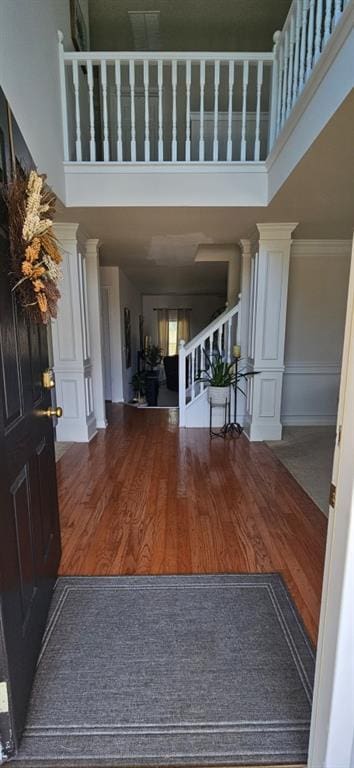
(101, 424)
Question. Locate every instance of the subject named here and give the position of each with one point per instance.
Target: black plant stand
(223, 430)
(234, 428)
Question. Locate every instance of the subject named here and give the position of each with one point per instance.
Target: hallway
(147, 498)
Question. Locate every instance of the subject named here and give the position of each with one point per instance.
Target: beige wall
(318, 284)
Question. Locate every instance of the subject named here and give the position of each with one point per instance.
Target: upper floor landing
(175, 128)
(203, 128)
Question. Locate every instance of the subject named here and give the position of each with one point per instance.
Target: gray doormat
(171, 670)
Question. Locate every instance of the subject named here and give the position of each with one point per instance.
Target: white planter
(218, 395)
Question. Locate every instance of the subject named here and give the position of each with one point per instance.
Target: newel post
(275, 91)
(182, 384)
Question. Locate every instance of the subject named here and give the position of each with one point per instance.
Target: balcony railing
(297, 49)
(190, 107)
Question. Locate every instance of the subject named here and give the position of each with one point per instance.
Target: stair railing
(220, 335)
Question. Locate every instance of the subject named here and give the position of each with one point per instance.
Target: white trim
(320, 248)
(317, 420)
(312, 368)
(167, 166)
(332, 724)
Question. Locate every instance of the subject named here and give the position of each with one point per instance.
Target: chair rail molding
(71, 341)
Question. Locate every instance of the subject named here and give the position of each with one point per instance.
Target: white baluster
(272, 128)
(280, 86)
(77, 111)
(210, 349)
(160, 86)
(91, 110)
(328, 21)
(201, 363)
(63, 97)
(229, 339)
(174, 110)
(303, 45)
(146, 95)
(182, 384)
(229, 114)
(257, 142)
(337, 11)
(310, 32)
(285, 78)
(219, 339)
(290, 84)
(119, 112)
(188, 110)
(216, 109)
(192, 375)
(132, 110)
(318, 34)
(244, 110)
(297, 52)
(201, 130)
(105, 111)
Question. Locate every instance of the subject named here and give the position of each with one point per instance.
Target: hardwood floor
(145, 497)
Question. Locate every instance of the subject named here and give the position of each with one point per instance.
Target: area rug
(171, 670)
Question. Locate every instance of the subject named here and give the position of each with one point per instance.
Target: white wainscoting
(310, 394)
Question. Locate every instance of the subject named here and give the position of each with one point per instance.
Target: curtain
(162, 327)
(183, 325)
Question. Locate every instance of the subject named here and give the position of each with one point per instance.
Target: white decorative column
(94, 318)
(245, 287)
(71, 342)
(266, 332)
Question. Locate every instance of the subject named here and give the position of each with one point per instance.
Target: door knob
(58, 412)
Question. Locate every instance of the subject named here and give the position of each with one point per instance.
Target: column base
(263, 432)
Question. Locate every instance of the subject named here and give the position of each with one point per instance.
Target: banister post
(62, 83)
(274, 94)
(182, 384)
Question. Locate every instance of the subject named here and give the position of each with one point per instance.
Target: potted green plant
(220, 375)
(138, 384)
(152, 358)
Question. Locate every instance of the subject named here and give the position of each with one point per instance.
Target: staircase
(220, 335)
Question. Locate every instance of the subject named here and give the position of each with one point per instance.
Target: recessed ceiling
(190, 25)
(157, 246)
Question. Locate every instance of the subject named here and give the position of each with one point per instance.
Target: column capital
(276, 230)
(92, 246)
(66, 230)
(246, 246)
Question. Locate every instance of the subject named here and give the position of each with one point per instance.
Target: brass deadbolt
(48, 379)
(58, 412)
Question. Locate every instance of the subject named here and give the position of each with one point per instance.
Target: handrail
(222, 333)
(98, 56)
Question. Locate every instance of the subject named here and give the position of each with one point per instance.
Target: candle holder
(233, 427)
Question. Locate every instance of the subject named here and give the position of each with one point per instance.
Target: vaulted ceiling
(186, 25)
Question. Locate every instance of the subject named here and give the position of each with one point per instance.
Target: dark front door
(29, 527)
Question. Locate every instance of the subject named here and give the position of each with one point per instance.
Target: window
(172, 332)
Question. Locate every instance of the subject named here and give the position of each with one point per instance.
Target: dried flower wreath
(35, 255)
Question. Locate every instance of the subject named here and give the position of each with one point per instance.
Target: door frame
(332, 724)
